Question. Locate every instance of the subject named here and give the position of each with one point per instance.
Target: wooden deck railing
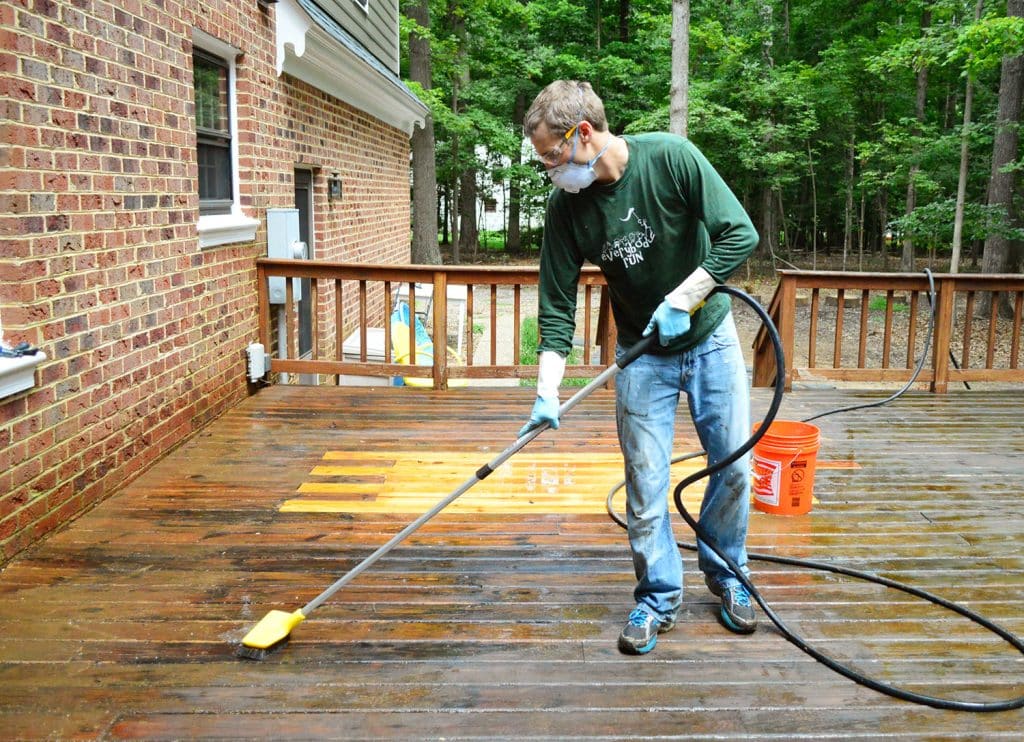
(352, 304)
(872, 327)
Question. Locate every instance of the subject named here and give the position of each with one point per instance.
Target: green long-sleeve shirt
(669, 213)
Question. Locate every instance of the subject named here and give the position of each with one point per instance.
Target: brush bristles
(256, 653)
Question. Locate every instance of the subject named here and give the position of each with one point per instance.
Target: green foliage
(778, 91)
(879, 303)
(529, 337)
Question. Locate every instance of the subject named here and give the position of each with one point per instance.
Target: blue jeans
(713, 376)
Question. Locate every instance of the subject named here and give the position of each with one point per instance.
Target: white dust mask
(573, 177)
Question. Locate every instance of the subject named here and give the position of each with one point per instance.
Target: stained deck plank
(500, 624)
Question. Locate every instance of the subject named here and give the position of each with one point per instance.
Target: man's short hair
(562, 105)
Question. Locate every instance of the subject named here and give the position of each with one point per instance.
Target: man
(664, 228)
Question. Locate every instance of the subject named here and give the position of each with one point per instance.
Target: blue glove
(672, 323)
(544, 411)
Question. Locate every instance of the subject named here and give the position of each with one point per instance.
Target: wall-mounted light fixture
(334, 187)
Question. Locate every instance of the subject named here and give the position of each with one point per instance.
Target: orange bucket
(783, 465)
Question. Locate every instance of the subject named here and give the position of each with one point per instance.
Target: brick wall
(100, 265)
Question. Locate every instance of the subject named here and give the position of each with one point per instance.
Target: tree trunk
(424, 167)
(514, 239)
(624, 7)
(454, 206)
(814, 208)
(907, 260)
(848, 223)
(679, 94)
(860, 232)
(1001, 255)
(883, 221)
(442, 213)
(766, 246)
(469, 233)
(961, 188)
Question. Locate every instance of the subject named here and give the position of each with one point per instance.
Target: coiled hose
(787, 633)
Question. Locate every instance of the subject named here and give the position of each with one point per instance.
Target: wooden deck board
(492, 623)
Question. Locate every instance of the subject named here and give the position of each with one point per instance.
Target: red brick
(145, 332)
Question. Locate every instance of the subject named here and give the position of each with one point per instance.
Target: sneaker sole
(715, 589)
(733, 626)
(628, 648)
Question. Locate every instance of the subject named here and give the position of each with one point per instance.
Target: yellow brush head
(272, 628)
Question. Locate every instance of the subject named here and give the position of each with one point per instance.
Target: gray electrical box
(283, 243)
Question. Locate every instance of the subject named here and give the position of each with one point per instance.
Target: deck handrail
(954, 357)
(349, 299)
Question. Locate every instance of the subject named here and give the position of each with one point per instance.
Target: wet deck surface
(499, 619)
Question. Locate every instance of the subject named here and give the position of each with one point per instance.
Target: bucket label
(766, 480)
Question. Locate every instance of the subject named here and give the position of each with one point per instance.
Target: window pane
(211, 83)
(213, 133)
(214, 171)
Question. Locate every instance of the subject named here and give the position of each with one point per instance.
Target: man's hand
(672, 323)
(545, 410)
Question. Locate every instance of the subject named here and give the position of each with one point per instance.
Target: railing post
(787, 316)
(440, 330)
(263, 301)
(607, 332)
(946, 288)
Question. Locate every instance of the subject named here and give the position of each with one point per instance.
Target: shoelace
(741, 596)
(638, 617)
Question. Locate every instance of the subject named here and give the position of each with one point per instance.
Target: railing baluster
(965, 359)
(290, 320)
(887, 337)
(314, 302)
(494, 324)
(339, 327)
(362, 321)
(412, 323)
(812, 342)
(993, 318)
(837, 354)
(862, 343)
(587, 297)
(516, 294)
(469, 325)
(912, 331)
(388, 309)
(1018, 310)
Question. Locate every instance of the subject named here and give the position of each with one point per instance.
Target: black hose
(787, 633)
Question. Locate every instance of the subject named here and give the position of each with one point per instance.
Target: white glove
(691, 293)
(549, 374)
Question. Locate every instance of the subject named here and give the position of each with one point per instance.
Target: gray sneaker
(641, 632)
(737, 612)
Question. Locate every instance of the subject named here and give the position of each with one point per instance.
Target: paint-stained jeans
(713, 377)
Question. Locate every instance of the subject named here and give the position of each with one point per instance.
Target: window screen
(213, 132)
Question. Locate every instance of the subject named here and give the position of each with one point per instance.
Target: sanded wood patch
(413, 482)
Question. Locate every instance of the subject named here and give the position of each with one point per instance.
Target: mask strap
(598, 155)
(576, 134)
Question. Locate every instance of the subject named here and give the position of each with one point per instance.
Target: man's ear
(586, 129)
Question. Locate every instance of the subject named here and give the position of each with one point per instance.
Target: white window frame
(223, 229)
